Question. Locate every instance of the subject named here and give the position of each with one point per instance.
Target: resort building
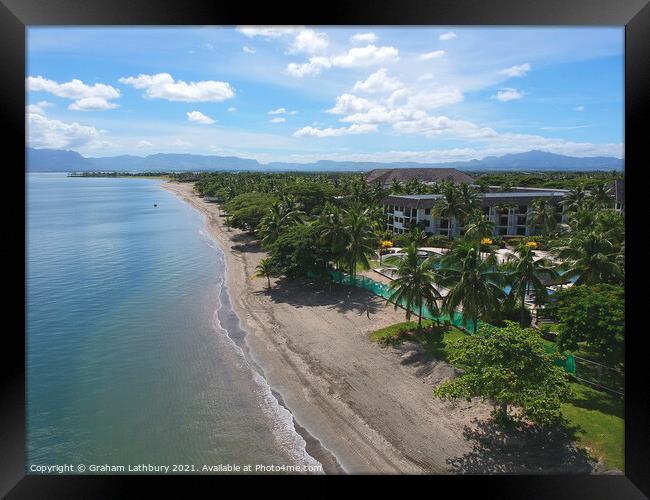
(507, 210)
(425, 175)
(619, 195)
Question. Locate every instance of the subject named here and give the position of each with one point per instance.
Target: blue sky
(309, 93)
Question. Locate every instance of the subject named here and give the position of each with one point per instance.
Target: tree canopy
(509, 367)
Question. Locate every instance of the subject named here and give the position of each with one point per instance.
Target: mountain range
(56, 160)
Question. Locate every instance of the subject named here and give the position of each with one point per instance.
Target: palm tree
(413, 287)
(602, 195)
(281, 215)
(474, 284)
(543, 215)
(417, 236)
(592, 258)
(265, 269)
(360, 239)
(479, 226)
(396, 187)
(470, 201)
(583, 218)
(524, 273)
(574, 198)
(332, 230)
(450, 205)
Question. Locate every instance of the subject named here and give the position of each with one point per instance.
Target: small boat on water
(155, 204)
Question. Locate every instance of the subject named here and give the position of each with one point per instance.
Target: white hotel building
(507, 210)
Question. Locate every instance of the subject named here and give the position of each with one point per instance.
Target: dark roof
(487, 199)
(387, 175)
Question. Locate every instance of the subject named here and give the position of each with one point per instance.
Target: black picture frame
(16, 15)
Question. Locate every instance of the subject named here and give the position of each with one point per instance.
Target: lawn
(597, 422)
(595, 419)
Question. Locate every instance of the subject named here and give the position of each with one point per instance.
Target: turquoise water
(128, 355)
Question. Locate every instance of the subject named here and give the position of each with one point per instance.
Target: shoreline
(319, 403)
(369, 406)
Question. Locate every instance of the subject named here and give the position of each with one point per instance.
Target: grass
(435, 339)
(597, 423)
(595, 419)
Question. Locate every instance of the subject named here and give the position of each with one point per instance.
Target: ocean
(134, 356)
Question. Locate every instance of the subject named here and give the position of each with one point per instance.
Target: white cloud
(435, 97)
(43, 132)
(268, 31)
(207, 46)
(356, 57)
(309, 42)
(378, 82)
(365, 56)
(249, 50)
(278, 119)
(566, 127)
(311, 68)
(450, 35)
(348, 103)
(39, 107)
(334, 132)
(436, 54)
(507, 94)
(360, 38)
(144, 145)
(181, 143)
(278, 111)
(579, 108)
(86, 97)
(163, 86)
(92, 104)
(232, 109)
(198, 117)
(515, 71)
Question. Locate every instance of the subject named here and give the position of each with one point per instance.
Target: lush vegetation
(593, 315)
(553, 180)
(509, 366)
(312, 223)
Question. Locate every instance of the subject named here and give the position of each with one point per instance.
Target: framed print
(384, 240)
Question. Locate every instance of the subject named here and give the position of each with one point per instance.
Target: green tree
(450, 206)
(508, 366)
(246, 210)
(479, 226)
(280, 216)
(602, 195)
(396, 187)
(592, 258)
(524, 274)
(543, 216)
(413, 288)
(474, 284)
(361, 240)
(298, 250)
(332, 232)
(575, 198)
(265, 269)
(594, 314)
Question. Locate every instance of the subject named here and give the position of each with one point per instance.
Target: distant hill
(55, 160)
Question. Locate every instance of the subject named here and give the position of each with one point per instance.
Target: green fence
(565, 361)
(384, 291)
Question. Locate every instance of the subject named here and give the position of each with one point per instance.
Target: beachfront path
(372, 407)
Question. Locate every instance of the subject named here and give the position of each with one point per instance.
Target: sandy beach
(372, 407)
